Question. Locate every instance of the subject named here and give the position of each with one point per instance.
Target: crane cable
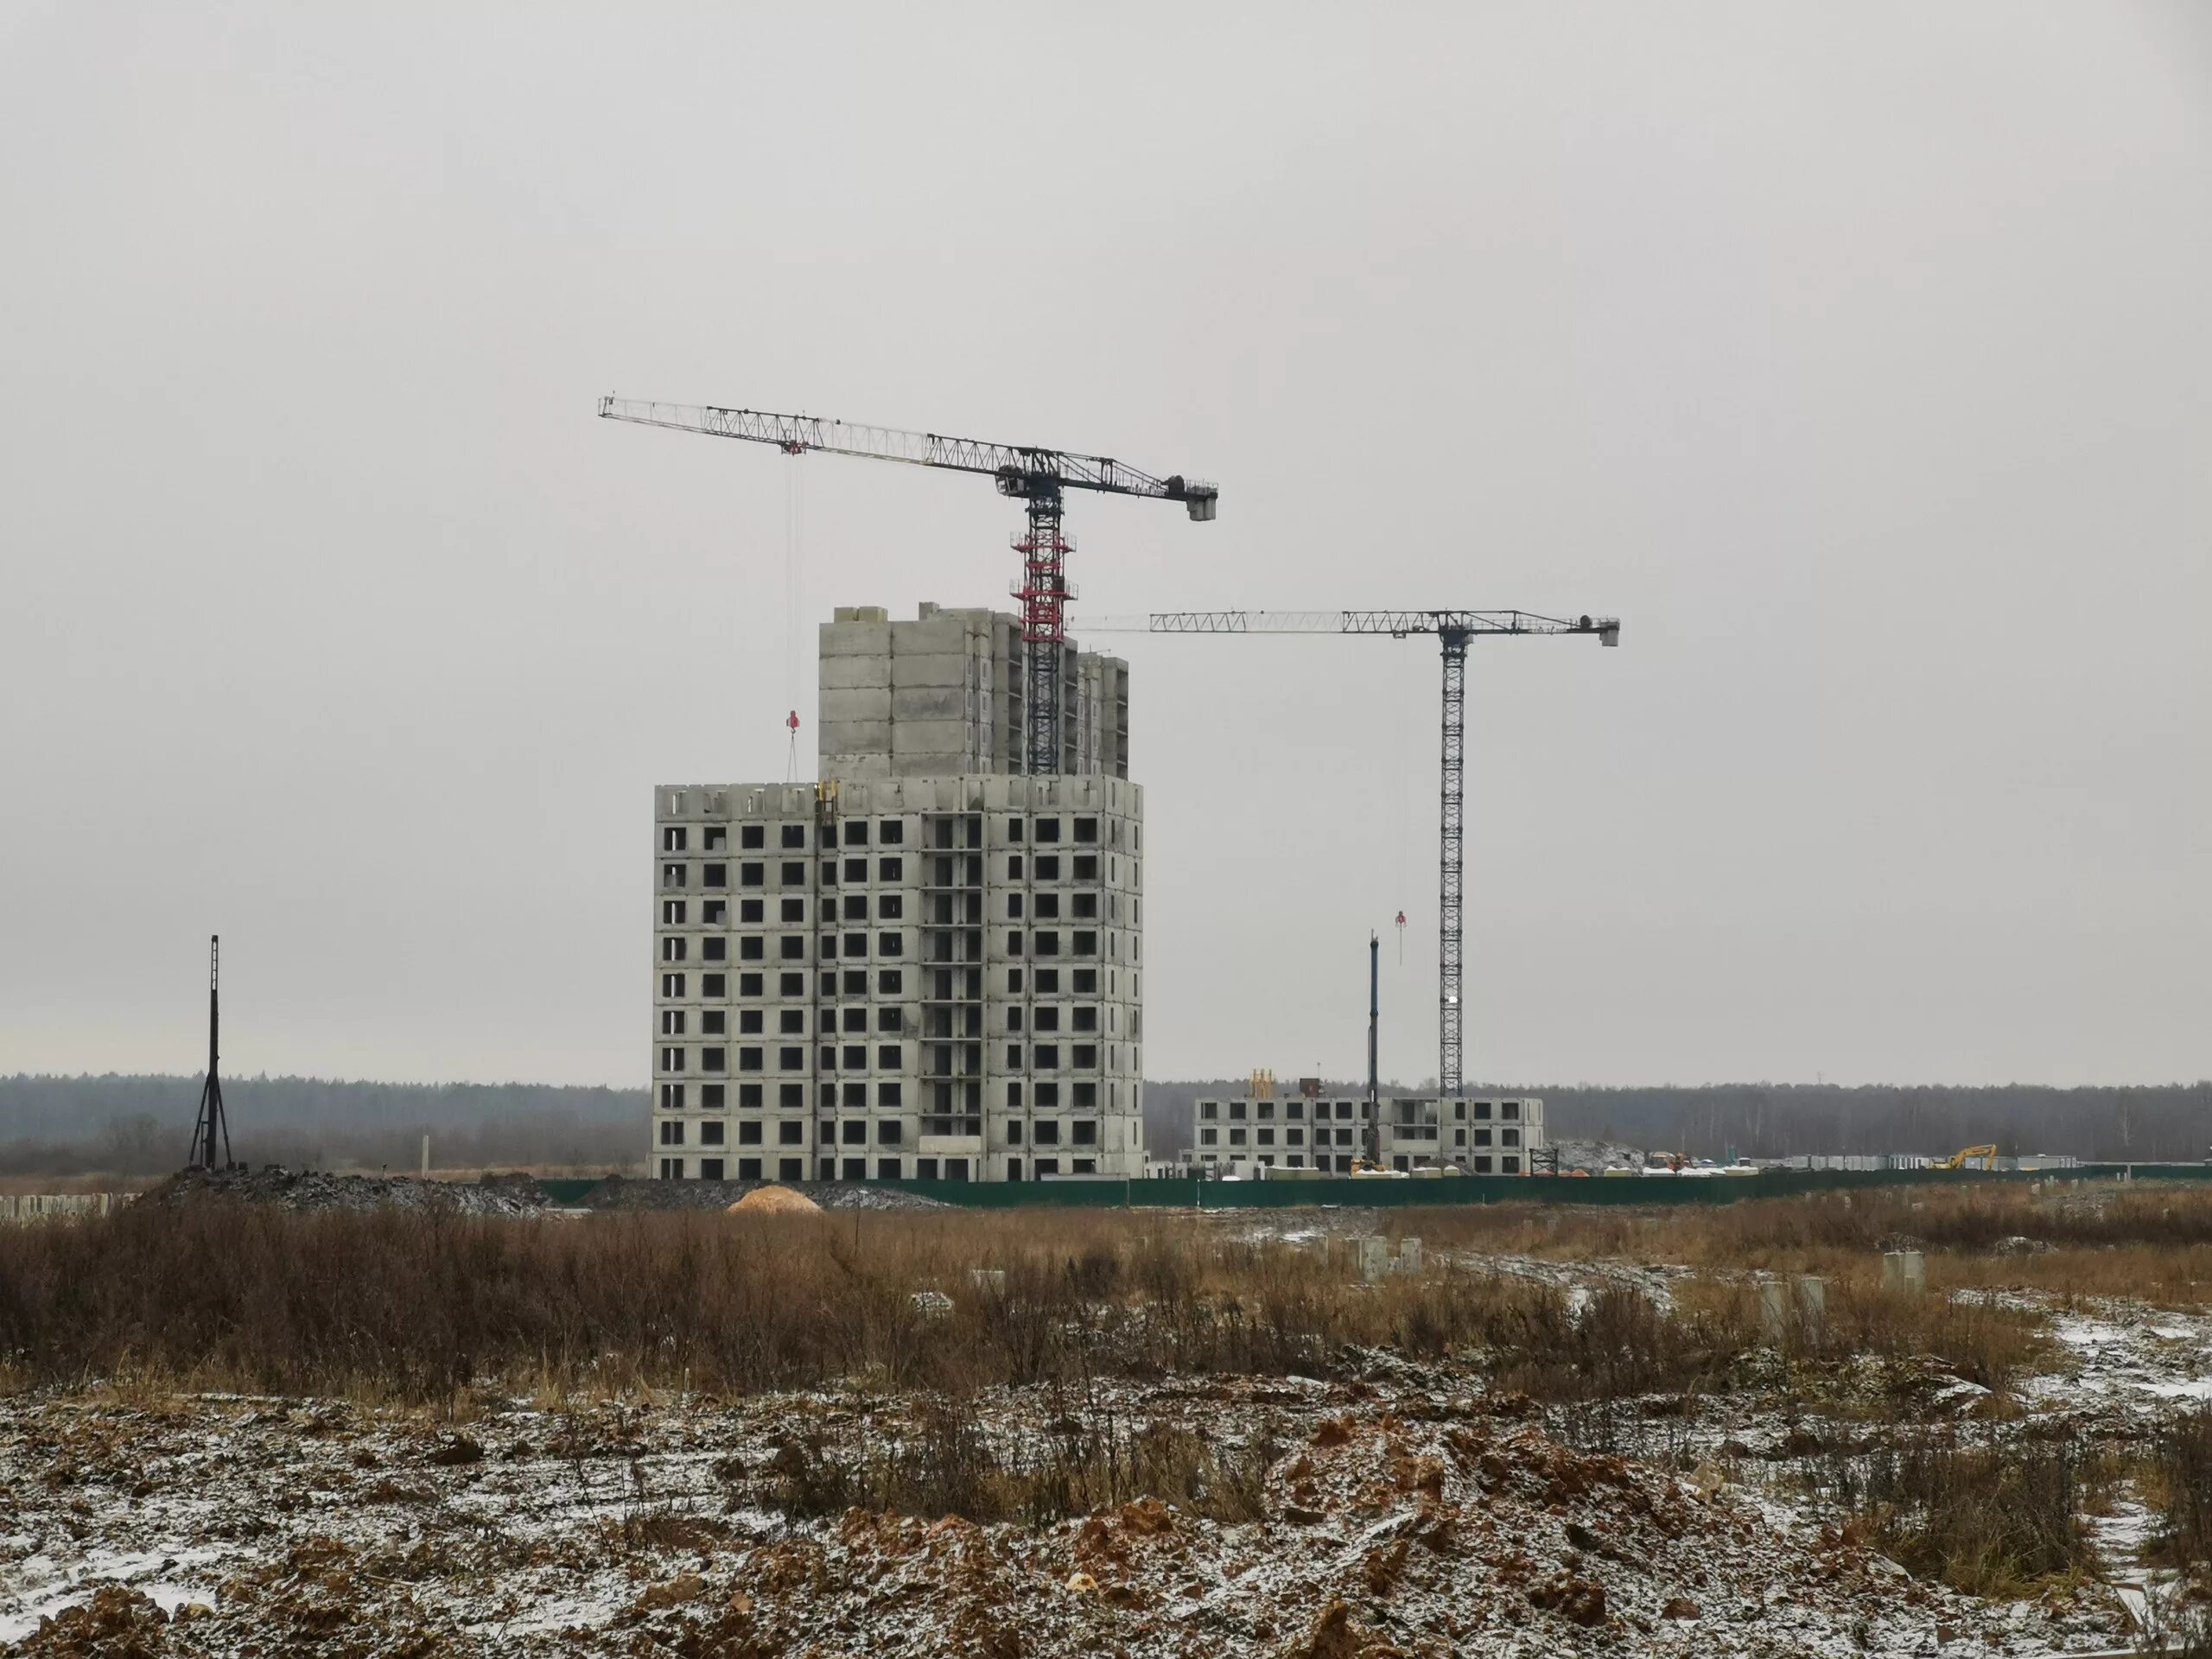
(794, 537)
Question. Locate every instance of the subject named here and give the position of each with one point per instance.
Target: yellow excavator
(1962, 1159)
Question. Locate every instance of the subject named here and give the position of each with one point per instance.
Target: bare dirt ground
(1400, 1507)
(1399, 1516)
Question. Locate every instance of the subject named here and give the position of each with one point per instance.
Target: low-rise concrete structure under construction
(1488, 1135)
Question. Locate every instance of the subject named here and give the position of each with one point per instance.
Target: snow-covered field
(1404, 1510)
(1396, 1516)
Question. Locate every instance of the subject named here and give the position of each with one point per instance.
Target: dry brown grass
(425, 1307)
(1988, 1517)
(2100, 1240)
(420, 1306)
(1091, 1461)
(2176, 1481)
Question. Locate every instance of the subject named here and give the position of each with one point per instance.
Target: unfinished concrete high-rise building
(928, 965)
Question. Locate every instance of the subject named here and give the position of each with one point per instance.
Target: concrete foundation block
(1904, 1271)
(1409, 1256)
(990, 1280)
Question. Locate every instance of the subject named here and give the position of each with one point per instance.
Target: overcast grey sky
(1857, 355)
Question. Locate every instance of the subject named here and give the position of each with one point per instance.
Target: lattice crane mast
(1039, 476)
(1453, 630)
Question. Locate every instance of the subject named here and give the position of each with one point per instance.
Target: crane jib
(1035, 467)
(1037, 476)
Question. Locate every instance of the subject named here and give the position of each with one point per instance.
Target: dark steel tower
(1372, 1141)
(210, 1125)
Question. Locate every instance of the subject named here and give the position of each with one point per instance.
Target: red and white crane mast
(1039, 477)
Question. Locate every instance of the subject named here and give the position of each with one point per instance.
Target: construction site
(928, 965)
(652, 1029)
(908, 1342)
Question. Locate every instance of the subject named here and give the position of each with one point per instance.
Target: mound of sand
(775, 1199)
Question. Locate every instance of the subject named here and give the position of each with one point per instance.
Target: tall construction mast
(210, 1124)
(1039, 476)
(1453, 630)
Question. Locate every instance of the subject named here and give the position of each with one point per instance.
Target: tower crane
(1038, 476)
(1453, 631)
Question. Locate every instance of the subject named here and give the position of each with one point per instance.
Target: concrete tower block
(866, 703)
(857, 736)
(854, 673)
(933, 668)
(855, 639)
(920, 702)
(928, 737)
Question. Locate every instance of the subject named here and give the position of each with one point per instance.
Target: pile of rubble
(1596, 1156)
(499, 1195)
(495, 1195)
(616, 1193)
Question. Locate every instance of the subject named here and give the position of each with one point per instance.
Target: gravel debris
(501, 1195)
(495, 1195)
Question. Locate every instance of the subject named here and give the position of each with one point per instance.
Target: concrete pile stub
(1813, 1306)
(989, 1279)
(1372, 1255)
(1409, 1256)
(1773, 1310)
(1904, 1271)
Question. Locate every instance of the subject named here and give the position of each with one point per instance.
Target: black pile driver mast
(211, 1125)
(1039, 477)
(1453, 629)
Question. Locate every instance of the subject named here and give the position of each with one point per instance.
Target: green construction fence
(1182, 1193)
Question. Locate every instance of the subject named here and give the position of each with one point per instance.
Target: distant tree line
(141, 1125)
(2164, 1123)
